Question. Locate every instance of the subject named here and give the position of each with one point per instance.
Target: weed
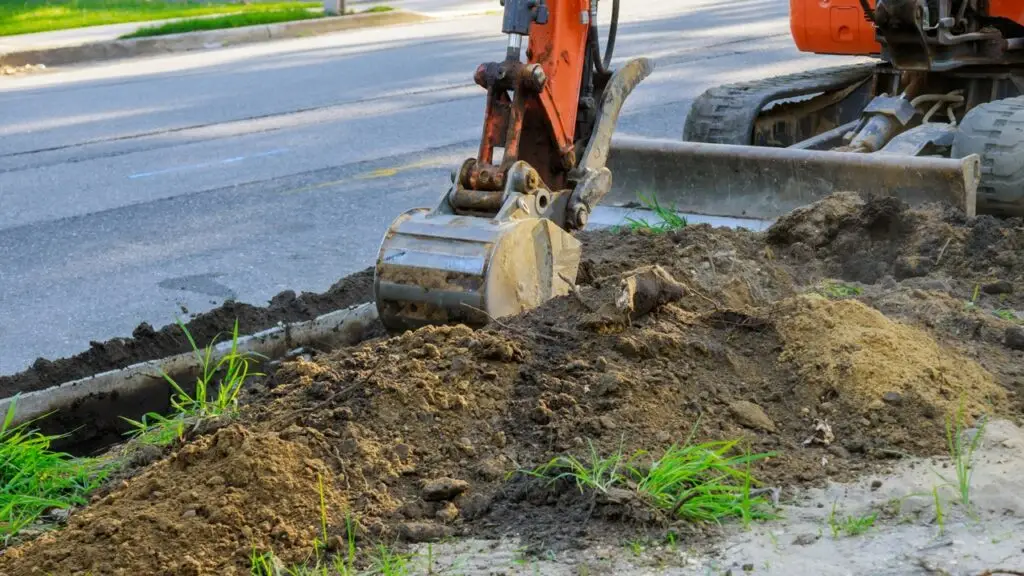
(34, 478)
(193, 409)
(636, 547)
(939, 518)
(961, 451)
(670, 219)
(838, 290)
(373, 9)
(851, 525)
(696, 482)
(1005, 314)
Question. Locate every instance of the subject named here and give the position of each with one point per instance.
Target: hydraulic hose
(603, 64)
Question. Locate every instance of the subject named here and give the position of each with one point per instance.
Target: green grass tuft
(374, 9)
(838, 290)
(26, 17)
(1008, 315)
(670, 219)
(228, 21)
(851, 525)
(707, 482)
(209, 400)
(961, 451)
(34, 478)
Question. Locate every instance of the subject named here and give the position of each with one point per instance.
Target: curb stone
(189, 41)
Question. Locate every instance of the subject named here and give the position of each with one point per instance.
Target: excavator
(932, 111)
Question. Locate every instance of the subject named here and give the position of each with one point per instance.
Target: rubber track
(726, 114)
(995, 131)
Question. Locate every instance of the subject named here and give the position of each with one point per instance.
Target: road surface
(129, 190)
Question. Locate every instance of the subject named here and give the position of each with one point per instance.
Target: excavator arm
(500, 240)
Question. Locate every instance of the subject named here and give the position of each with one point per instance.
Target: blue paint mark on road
(223, 162)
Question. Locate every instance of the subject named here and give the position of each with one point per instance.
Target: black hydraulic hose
(603, 64)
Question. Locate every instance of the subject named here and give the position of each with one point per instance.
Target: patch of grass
(961, 451)
(375, 9)
(34, 478)
(670, 219)
(223, 22)
(851, 525)
(25, 17)
(706, 482)
(1008, 315)
(209, 401)
(838, 290)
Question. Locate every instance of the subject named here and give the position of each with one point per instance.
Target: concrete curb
(119, 49)
(98, 402)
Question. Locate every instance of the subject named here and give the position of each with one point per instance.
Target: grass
(670, 219)
(28, 16)
(227, 21)
(708, 482)
(1005, 314)
(34, 478)
(208, 401)
(839, 291)
(851, 525)
(961, 451)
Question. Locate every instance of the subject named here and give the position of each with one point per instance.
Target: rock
(491, 469)
(876, 404)
(607, 422)
(805, 539)
(1015, 337)
(448, 513)
(999, 287)
(443, 489)
(423, 531)
(893, 398)
(752, 415)
(876, 484)
(474, 506)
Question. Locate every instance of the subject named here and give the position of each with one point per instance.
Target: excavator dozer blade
(766, 183)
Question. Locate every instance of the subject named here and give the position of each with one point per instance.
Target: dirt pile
(201, 511)
(848, 348)
(729, 330)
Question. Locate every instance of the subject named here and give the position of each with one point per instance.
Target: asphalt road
(131, 189)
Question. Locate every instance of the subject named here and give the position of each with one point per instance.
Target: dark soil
(146, 343)
(736, 333)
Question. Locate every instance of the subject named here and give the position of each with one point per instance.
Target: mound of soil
(730, 332)
(201, 511)
(148, 344)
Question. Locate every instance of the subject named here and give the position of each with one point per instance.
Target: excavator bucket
(765, 183)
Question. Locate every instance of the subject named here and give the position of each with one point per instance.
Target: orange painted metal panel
(833, 27)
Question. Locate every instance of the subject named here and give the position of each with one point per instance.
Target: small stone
(876, 484)
(876, 404)
(215, 481)
(423, 531)
(607, 422)
(190, 513)
(1015, 337)
(748, 567)
(491, 469)
(448, 513)
(893, 398)
(998, 287)
(805, 539)
(443, 489)
(601, 363)
(403, 451)
(752, 415)
(839, 451)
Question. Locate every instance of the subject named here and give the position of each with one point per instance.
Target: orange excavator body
(839, 26)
